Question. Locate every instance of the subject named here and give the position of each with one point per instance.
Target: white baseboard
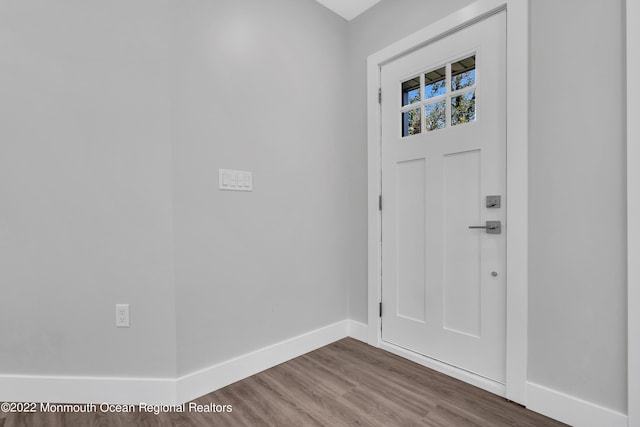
(215, 377)
(61, 389)
(27, 388)
(460, 374)
(358, 330)
(571, 410)
(133, 391)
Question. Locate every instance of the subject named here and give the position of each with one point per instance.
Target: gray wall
(115, 120)
(85, 188)
(577, 287)
(113, 117)
(577, 303)
(259, 86)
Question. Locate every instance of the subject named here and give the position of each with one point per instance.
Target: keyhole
(494, 274)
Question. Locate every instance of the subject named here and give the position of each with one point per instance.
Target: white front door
(443, 161)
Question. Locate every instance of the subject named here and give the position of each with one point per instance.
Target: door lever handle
(492, 227)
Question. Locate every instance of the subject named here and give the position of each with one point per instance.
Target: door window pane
(435, 115)
(463, 73)
(463, 108)
(411, 122)
(434, 83)
(411, 91)
(440, 98)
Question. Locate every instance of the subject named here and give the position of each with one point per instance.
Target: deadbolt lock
(493, 202)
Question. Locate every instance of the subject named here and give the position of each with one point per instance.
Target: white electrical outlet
(122, 315)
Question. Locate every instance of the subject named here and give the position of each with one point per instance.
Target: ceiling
(348, 9)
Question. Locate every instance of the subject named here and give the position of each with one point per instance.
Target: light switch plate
(235, 180)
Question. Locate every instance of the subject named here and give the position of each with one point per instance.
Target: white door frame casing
(633, 211)
(517, 174)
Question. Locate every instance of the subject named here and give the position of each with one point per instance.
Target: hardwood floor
(347, 383)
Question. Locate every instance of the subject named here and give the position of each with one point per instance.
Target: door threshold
(476, 380)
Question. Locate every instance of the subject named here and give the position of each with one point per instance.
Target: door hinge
(379, 95)
(380, 202)
(380, 309)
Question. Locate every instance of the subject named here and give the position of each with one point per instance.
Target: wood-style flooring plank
(347, 383)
